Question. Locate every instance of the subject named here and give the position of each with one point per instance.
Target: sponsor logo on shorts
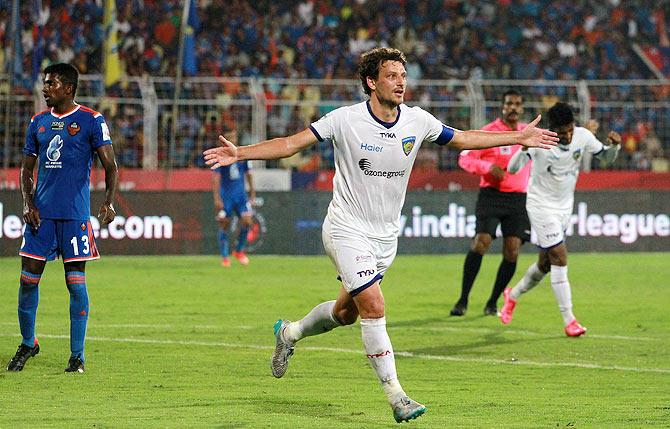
(365, 273)
(363, 258)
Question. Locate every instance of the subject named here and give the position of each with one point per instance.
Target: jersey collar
(387, 125)
(76, 107)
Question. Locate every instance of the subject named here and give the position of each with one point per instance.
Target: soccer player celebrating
(230, 198)
(501, 201)
(550, 201)
(376, 143)
(65, 139)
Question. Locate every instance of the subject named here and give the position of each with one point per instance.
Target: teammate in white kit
(551, 192)
(375, 143)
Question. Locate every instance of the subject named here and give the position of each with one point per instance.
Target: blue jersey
(232, 179)
(65, 146)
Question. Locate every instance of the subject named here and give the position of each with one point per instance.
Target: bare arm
(252, 189)
(31, 214)
(281, 147)
(531, 136)
(216, 185)
(106, 155)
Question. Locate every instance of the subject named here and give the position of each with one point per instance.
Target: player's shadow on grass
(341, 410)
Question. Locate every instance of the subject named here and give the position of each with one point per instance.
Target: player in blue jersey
(63, 141)
(230, 198)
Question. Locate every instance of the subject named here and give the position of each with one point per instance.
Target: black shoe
(490, 310)
(458, 310)
(22, 355)
(75, 365)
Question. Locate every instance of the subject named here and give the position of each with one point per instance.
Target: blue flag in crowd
(192, 25)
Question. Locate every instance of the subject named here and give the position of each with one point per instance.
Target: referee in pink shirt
(501, 201)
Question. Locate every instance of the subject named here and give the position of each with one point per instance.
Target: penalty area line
(352, 351)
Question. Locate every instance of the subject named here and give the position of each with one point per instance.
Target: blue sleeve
(445, 136)
(31, 146)
(100, 133)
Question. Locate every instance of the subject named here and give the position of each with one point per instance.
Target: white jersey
(554, 173)
(373, 161)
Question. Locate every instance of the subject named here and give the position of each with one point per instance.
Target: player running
(376, 143)
(551, 192)
(65, 139)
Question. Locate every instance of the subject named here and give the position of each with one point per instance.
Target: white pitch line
(517, 332)
(391, 327)
(351, 351)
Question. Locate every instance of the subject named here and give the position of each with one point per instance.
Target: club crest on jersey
(408, 144)
(58, 125)
(505, 150)
(576, 154)
(41, 129)
(73, 128)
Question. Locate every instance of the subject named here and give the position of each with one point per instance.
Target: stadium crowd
(497, 39)
(516, 39)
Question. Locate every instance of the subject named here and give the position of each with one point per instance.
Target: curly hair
(560, 114)
(372, 60)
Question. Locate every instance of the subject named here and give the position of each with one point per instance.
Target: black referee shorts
(505, 208)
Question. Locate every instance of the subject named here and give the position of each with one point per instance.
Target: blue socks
(242, 239)
(29, 297)
(223, 243)
(76, 285)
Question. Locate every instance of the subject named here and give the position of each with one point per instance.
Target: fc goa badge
(73, 128)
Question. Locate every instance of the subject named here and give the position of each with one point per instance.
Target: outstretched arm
(531, 136)
(281, 147)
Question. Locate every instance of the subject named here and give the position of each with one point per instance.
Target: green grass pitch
(180, 342)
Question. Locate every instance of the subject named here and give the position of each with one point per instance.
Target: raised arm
(609, 153)
(531, 136)
(281, 147)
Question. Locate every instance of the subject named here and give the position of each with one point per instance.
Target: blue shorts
(235, 204)
(73, 240)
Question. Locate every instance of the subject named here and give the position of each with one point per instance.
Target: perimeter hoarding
(290, 222)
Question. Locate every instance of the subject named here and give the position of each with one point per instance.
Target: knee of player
(346, 316)
(511, 254)
(481, 243)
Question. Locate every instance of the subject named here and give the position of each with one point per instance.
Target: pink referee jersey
(480, 161)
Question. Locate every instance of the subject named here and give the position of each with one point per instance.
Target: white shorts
(549, 228)
(360, 261)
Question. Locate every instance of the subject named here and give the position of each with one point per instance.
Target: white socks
(561, 288)
(380, 354)
(532, 277)
(317, 321)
